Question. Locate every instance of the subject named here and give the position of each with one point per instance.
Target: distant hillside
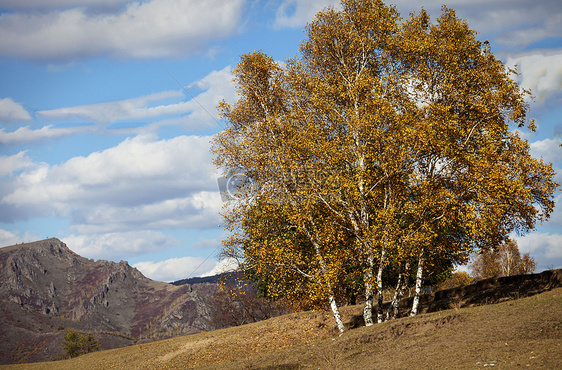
(45, 287)
(227, 277)
(467, 333)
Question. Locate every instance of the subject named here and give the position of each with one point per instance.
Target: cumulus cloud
(515, 22)
(136, 29)
(10, 164)
(555, 219)
(69, 29)
(538, 23)
(216, 86)
(551, 152)
(8, 238)
(541, 71)
(11, 111)
(512, 22)
(225, 265)
(199, 210)
(548, 149)
(115, 246)
(175, 268)
(140, 183)
(545, 248)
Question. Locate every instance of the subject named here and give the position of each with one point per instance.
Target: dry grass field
(525, 332)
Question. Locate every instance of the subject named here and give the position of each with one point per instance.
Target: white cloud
(141, 183)
(551, 152)
(200, 210)
(118, 245)
(541, 71)
(12, 163)
(11, 111)
(27, 135)
(225, 265)
(135, 108)
(524, 134)
(216, 86)
(545, 248)
(8, 238)
(555, 219)
(175, 268)
(515, 22)
(68, 29)
(538, 23)
(548, 149)
(139, 29)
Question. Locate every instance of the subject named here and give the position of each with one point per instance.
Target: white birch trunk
(368, 307)
(336, 312)
(331, 300)
(399, 292)
(417, 294)
(380, 316)
(402, 289)
(364, 221)
(393, 303)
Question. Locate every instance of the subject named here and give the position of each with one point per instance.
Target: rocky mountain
(45, 288)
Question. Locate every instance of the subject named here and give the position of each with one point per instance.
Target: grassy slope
(515, 333)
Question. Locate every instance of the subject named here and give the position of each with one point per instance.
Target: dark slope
(45, 287)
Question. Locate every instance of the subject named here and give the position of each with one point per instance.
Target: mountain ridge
(46, 287)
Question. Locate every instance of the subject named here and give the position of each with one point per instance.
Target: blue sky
(107, 108)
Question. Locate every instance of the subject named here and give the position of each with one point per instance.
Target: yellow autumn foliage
(385, 141)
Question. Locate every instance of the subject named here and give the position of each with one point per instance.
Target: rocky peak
(48, 281)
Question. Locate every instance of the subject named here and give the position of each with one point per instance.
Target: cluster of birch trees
(383, 148)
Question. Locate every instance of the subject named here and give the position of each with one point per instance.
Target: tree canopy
(384, 142)
(504, 260)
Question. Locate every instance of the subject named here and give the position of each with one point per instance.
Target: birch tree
(383, 142)
(503, 260)
(481, 174)
(261, 141)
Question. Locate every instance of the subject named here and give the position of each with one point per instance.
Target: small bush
(239, 304)
(76, 344)
(457, 279)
